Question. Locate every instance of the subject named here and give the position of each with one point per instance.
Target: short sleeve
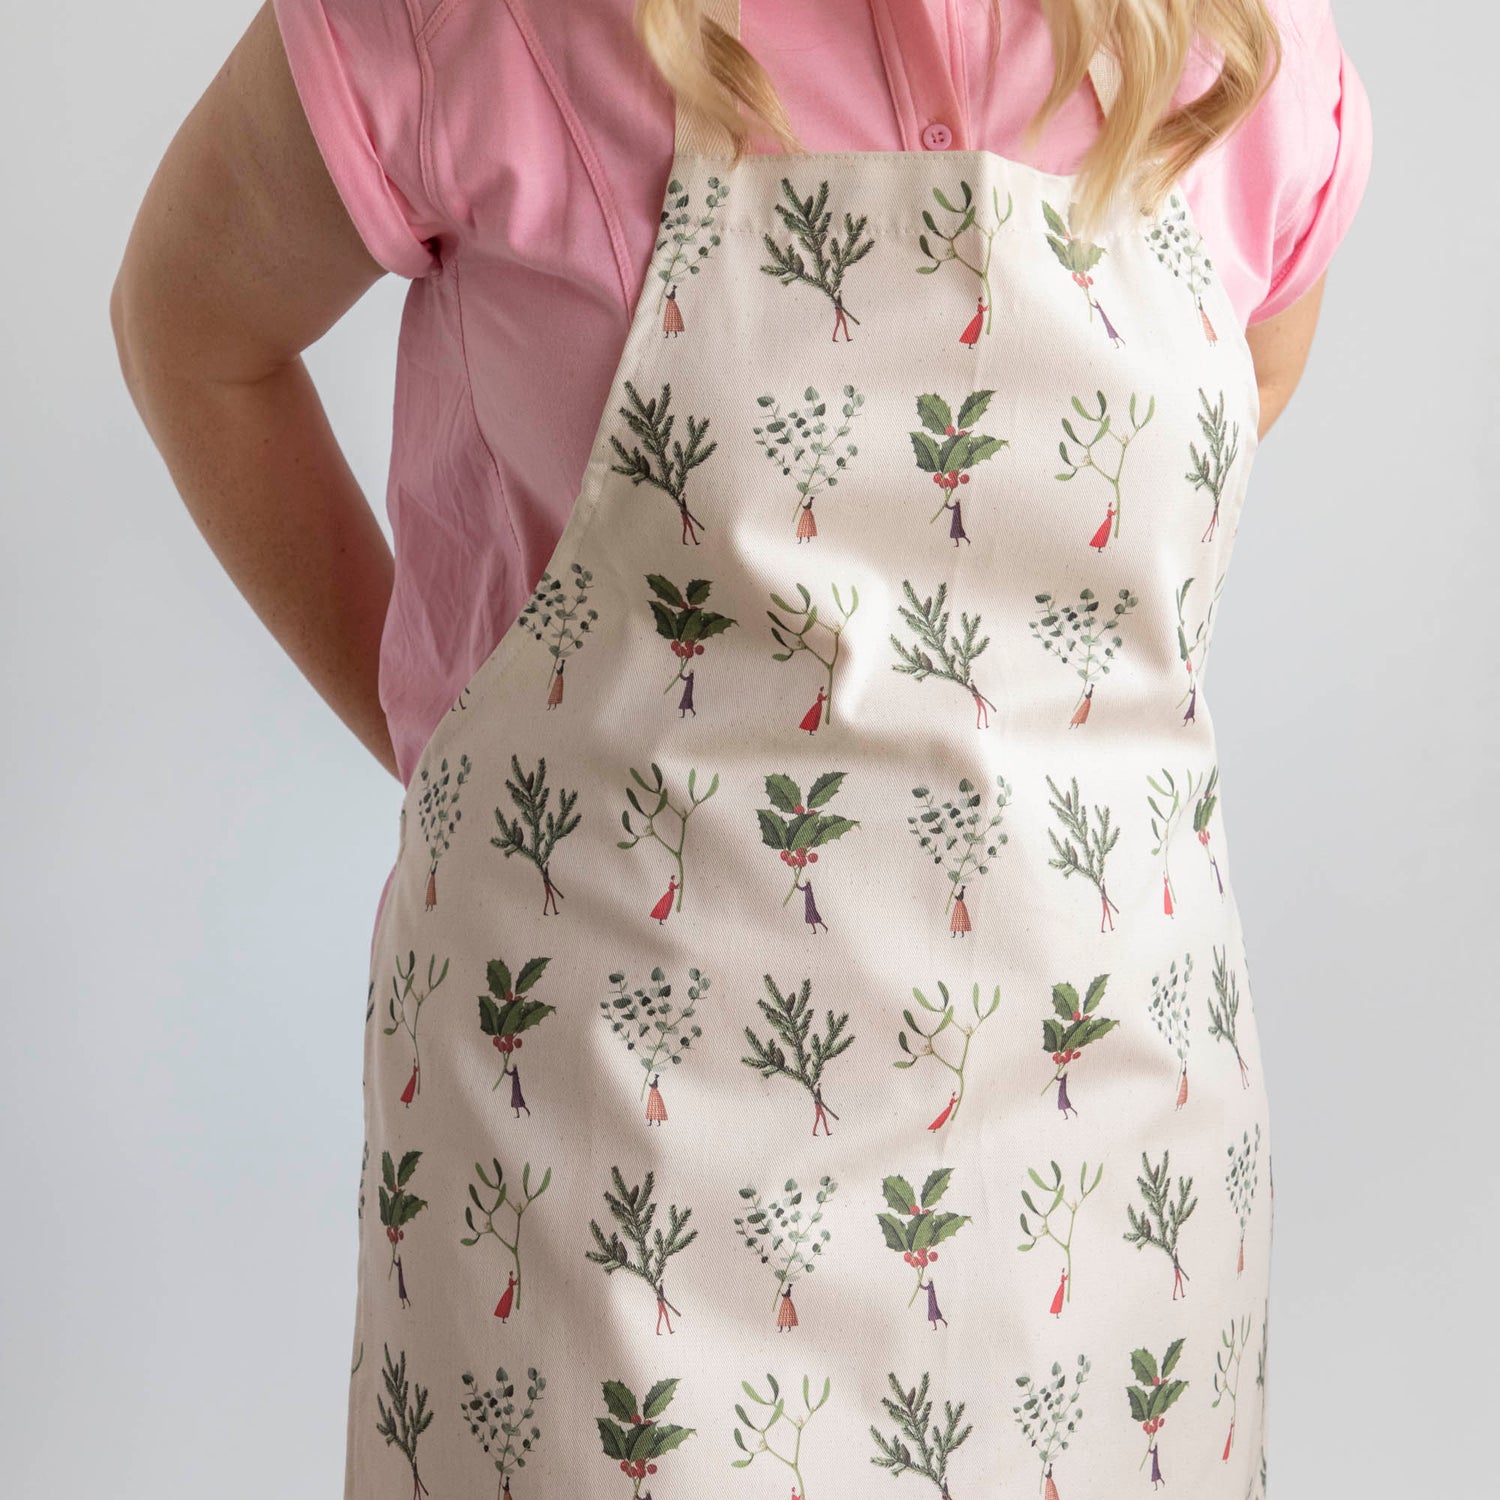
(1331, 149)
(359, 74)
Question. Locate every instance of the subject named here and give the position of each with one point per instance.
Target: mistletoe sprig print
(937, 653)
(919, 1445)
(1203, 811)
(506, 1201)
(1193, 651)
(1166, 817)
(633, 1433)
(824, 257)
(951, 1054)
(438, 815)
(777, 1414)
(948, 448)
(1170, 1013)
(507, 1011)
(1087, 843)
(686, 239)
(1167, 1209)
(959, 837)
(1074, 1025)
(1083, 638)
(810, 448)
(666, 461)
(1210, 470)
(1104, 427)
(499, 1413)
(1045, 1229)
(966, 221)
(636, 1243)
(404, 1421)
(404, 1006)
(1227, 1364)
(797, 828)
(685, 624)
(1152, 1397)
(784, 1233)
(1049, 1415)
(915, 1227)
(537, 832)
(794, 1050)
(1179, 247)
(664, 822)
(559, 616)
(1078, 257)
(654, 1026)
(795, 638)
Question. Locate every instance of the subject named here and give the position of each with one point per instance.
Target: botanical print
(1170, 1011)
(686, 241)
(795, 639)
(405, 1017)
(1045, 1228)
(1203, 811)
(935, 653)
(919, 1445)
(655, 1029)
(915, 1227)
(1078, 257)
(660, 809)
(1241, 1180)
(951, 1054)
(398, 1208)
(538, 831)
(784, 1235)
(958, 837)
(1166, 818)
(503, 1200)
(1049, 1416)
(665, 464)
(1179, 247)
(1080, 638)
(1210, 470)
(438, 815)
(776, 1414)
(796, 829)
(1224, 1010)
(633, 1434)
(823, 259)
(1086, 845)
(1152, 1396)
(1166, 1210)
(404, 1420)
(683, 622)
(1227, 1362)
(808, 449)
(794, 1050)
(1074, 1025)
(633, 1247)
(1104, 427)
(965, 220)
(508, 1010)
(560, 618)
(947, 447)
(1194, 651)
(501, 1422)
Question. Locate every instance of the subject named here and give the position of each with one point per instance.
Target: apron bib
(809, 1037)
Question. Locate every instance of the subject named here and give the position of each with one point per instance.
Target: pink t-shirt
(510, 156)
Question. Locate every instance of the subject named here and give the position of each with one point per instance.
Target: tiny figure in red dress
(814, 716)
(970, 335)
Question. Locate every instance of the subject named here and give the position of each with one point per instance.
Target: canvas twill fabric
(809, 1037)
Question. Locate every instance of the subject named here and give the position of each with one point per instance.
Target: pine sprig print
(1210, 467)
(501, 1422)
(665, 462)
(936, 652)
(1224, 1010)
(824, 257)
(1168, 1207)
(438, 815)
(919, 1445)
(1086, 844)
(1083, 639)
(537, 832)
(794, 1050)
(404, 1420)
(637, 1245)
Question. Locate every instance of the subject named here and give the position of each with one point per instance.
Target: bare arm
(1280, 346)
(241, 256)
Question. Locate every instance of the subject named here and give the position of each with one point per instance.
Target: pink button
(937, 136)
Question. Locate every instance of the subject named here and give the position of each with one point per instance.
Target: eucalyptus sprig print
(537, 832)
(936, 652)
(786, 1235)
(404, 1006)
(1241, 1181)
(502, 1423)
(824, 257)
(966, 222)
(1179, 247)
(666, 462)
(1167, 815)
(1227, 1364)
(1104, 427)
(1082, 638)
(960, 839)
(798, 828)
(1086, 846)
(1203, 810)
(404, 1421)
(1210, 470)
(777, 1414)
(503, 1200)
(653, 1026)
(438, 814)
(684, 623)
(633, 1434)
(947, 447)
(1046, 1230)
(559, 616)
(1073, 1025)
(1168, 1207)
(915, 1227)
(507, 1011)
(1152, 1397)
(809, 447)
(1049, 1415)
(1170, 1012)
(919, 1445)
(1224, 1010)
(665, 822)
(398, 1207)
(1078, 257)
(801, 636)
(954, 1056)
(1193, 650)
(794, 1050)
(636, 1244)
(685, 241)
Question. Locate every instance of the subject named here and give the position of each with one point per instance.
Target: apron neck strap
(697, 135)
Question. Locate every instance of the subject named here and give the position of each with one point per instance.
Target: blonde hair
(1143, 143)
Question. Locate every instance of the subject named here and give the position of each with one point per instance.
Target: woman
(622, 260)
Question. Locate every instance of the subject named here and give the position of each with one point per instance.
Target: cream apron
(810, 1043)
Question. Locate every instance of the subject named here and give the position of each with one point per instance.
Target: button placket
(937, 136)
